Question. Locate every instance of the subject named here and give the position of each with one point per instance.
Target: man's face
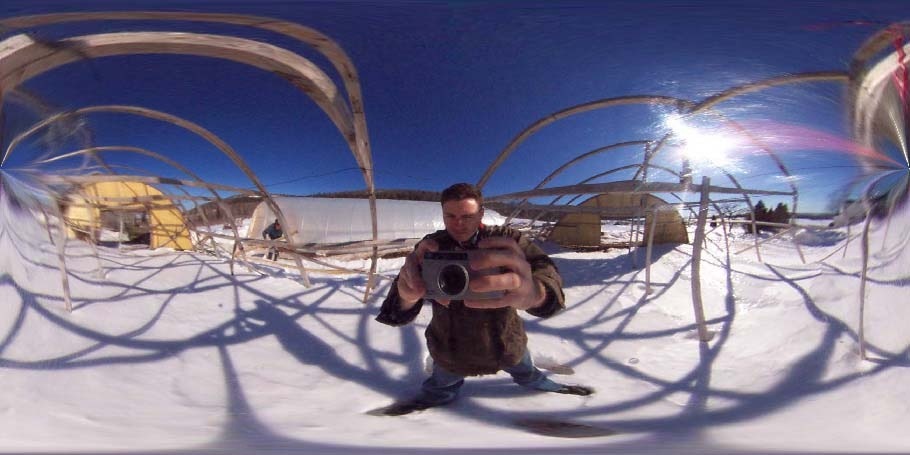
(462, 218)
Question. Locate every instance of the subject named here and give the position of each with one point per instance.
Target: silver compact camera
(446, 275)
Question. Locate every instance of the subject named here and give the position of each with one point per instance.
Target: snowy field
(167, 351)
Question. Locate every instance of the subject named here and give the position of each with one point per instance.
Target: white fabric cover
(328, 220)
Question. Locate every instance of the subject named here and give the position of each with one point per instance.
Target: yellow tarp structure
(166, 225)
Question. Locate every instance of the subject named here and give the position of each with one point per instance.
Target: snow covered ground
(167, 351)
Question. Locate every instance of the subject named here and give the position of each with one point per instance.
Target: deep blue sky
(447, 85)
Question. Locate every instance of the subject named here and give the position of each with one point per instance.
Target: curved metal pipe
(578, 109)
(92, 151)
(177, 121)
(359, 142)
(569, 164)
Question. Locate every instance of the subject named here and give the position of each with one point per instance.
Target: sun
(700, 144)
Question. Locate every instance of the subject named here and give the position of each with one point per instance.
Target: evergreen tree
(759, 213)
(781, 213)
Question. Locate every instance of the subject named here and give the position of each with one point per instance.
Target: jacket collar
(471, 243)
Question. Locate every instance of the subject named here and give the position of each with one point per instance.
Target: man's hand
(410, 282)
(521, 290)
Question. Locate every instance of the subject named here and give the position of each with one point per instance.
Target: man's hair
(461, 191)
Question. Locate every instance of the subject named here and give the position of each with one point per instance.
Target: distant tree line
(780, 214)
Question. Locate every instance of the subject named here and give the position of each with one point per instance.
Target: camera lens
(452, 279)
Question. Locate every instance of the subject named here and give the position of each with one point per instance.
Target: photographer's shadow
(310, 350)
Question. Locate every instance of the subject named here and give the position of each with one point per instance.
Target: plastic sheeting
(329, 220)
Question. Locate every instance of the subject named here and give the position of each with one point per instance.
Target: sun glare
(702, 146)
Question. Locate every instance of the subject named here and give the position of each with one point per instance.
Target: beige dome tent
(584, 228)
(165, 221)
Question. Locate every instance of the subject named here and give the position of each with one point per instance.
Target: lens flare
(704, 146)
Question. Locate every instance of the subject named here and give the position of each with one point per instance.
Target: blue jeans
(443, 385)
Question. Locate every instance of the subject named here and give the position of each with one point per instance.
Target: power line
(337, 171)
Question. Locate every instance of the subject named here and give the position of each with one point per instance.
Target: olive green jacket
(469, 341)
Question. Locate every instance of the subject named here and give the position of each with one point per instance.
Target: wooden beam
(703, 334)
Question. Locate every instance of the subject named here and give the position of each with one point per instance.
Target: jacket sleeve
(390, 313)
(544, 270)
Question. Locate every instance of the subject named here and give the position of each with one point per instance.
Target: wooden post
(635, 223)
(703, 334)
(887, 227)
(639, 228)
(862, 287)
(371, 276)
(755, 237)
(799, 249)
(847, 243)
(723, 225)
(93, 241)
(648, 253)
(229, 214)
(61, 259)
(120, 232)
(237, 244)
(302, 269)
(47, 224)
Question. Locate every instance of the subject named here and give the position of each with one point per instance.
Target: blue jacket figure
(271, 233)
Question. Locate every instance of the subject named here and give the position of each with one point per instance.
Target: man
(470, 338)
(271, 233)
